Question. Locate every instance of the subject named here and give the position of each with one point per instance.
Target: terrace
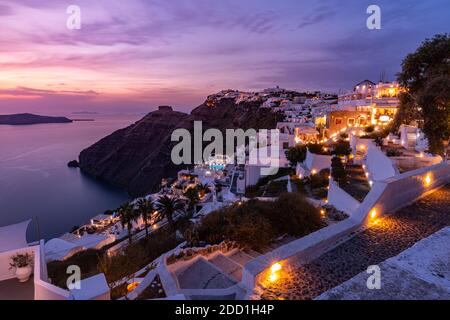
(12, 289)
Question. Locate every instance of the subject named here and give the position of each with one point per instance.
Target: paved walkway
(387, 238)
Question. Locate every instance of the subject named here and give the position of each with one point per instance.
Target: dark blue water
(35, 181)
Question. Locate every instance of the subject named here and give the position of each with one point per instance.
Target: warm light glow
(274, 270)
(275, 267)
(273, 277)
(132, 286)
(428, 180)
(314, 171)
(373, 214)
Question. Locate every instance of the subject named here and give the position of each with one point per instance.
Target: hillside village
(340, 166)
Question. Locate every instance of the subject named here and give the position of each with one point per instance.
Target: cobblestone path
(387, 238)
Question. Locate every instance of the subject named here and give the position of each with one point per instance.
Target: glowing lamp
(427, 180)
(273, 277)
(132, 286)
(373, 214)
(275, 267)
(314, 171)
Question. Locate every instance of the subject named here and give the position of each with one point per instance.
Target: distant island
(85, 112)
(28, 118)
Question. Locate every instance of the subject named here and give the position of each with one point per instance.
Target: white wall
(317, 161)
(5, 260)
(379, 166)
(341, 200)
(42, 289)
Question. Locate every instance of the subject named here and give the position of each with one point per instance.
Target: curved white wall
(341, 200)
(380, 167)
(317, 161)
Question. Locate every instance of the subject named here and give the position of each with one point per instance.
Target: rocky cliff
(138, 157)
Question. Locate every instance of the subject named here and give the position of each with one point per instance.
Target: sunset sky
(133, 55)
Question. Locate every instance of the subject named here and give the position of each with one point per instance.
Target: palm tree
(145, 209)
(127, 215)
(168, 206)
(192, 195)
(203, 189)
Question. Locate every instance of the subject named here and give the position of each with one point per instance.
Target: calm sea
(35, 181)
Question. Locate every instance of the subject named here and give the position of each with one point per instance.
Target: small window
(338, 121)
(351, 121)
(285, 145)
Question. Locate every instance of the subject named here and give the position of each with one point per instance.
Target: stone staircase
(233, 264)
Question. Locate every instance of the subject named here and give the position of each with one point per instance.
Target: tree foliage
(338, 170)
(296, 154)
(254, 224)
(169, 206)
(426, 76)
(342, 148)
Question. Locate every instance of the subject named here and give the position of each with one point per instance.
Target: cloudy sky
(130, 56)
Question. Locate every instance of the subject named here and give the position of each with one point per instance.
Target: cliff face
(138, 157)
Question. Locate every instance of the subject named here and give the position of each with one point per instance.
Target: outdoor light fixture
(373, 214)
(132, 286)
(274, 269)
(427, 180)
(314, 171)
(273, 277)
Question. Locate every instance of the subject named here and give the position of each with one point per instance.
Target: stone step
(241, 258)
(228, 266)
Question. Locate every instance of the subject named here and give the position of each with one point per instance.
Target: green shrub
(342, 148)
(296, 154)
(86, 260)
(393, 153)
(369, 129)
(338, 171)
(317, 148)
(320, 180)
(254, 224)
